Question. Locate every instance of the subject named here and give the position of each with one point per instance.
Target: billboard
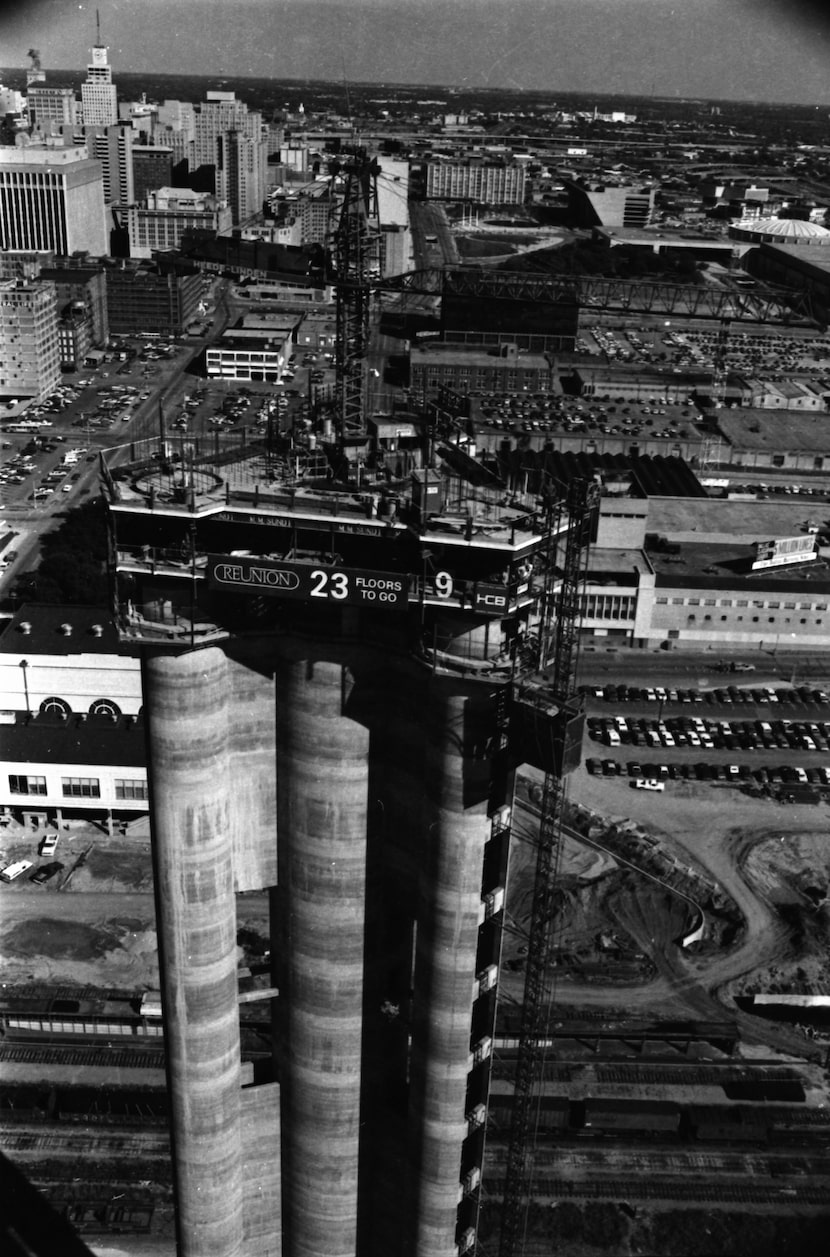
(784, 550)
(345, 586)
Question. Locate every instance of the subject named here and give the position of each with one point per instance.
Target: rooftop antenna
(98, 27)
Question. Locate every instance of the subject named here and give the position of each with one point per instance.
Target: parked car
(11, 871)
(46, 872)
(49, 844)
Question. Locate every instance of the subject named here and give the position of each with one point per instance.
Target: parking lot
(86, 412)
(606, 415)
(763, 736)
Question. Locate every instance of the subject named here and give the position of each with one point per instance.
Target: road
(599, 665)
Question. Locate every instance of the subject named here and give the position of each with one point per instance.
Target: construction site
(426, 987)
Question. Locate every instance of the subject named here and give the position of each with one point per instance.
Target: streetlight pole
(24, 665)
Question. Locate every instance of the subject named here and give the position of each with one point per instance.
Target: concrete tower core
(327, 732)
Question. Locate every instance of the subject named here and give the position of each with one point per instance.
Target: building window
(755, 619)
(125, 789)
(81, 787)
(772, 619)
(55, 707)
(19, 784)
(105, 707)
(742, 602)
(723, 617)
(661, 601)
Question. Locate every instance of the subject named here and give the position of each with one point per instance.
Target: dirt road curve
(737, 841)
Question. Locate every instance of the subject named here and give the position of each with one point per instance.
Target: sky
(774, 50)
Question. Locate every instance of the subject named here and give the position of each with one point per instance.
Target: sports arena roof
(780, 231)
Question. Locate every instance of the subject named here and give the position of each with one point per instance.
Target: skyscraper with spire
(98, 95)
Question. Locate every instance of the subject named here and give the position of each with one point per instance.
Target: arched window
(105, 707)
(55, 707)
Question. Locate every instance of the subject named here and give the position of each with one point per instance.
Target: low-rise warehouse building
(434, 365)
(72, 740)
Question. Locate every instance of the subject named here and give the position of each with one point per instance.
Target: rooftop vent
(66, 630)
(25, 628)
(97, 630)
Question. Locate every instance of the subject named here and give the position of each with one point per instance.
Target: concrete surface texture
(383, 775)
(186, 700)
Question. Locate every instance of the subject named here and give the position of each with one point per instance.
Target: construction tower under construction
(333, 628)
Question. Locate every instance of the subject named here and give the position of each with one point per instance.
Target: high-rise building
(79, 283)
(610, 205)
(152, 169)
(244, 174)
(51, 105)
(325, 686)
(168, 214)
(142, 299)
(52, 199)
(99, 99)
(30, 364)
(395, 240)
(176, 128)
(113, 145)
(232, 139)
(487, 182)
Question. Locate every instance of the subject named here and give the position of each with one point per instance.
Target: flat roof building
(610, 205)
(29, 341)
(52, 199)
(140, 298)
(168, 213)
(487, 182)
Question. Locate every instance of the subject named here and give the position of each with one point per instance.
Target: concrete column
(322, 774)
(186, 702)
(456, 781)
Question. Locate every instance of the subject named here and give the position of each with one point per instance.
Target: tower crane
(355, 247)
(556, 650)
(555, 723)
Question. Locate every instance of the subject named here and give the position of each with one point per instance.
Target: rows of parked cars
(731, 694)
(710, 734)
(785, 774)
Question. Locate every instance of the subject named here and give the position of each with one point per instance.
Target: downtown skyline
(719, 49)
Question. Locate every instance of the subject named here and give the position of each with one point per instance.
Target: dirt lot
(760, 868)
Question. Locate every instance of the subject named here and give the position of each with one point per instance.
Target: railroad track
(81, 1142)
(762, 1165)
(51, 1054)
(628, 1189)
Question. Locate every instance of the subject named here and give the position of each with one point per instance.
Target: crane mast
(557, 645)
(355, 247)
